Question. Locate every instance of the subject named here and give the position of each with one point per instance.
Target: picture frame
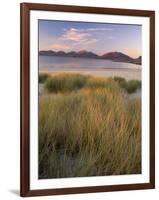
(28, 80)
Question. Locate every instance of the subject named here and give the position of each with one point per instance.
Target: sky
(99, 38)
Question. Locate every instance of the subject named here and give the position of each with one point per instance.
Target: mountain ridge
(113, 56)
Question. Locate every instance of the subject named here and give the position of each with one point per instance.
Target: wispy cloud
(110, 37)
(91, 29)
(83, 35)
(77, 38)
(75, 35)
(100, 29)
(73, 39)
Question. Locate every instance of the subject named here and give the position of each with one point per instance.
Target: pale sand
(128, 74)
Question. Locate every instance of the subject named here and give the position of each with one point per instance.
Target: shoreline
(128, 74)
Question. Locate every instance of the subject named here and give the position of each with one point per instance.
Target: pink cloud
(59, 47)
(75, 35)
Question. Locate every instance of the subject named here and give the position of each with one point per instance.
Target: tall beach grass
(65, 82)
(88, 127)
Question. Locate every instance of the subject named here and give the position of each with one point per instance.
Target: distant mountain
(52, 53)
(138, 60)
(86, 54)
(83, 54)
(117, 56)
(114, 56)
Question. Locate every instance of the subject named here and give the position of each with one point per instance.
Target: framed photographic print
(87, 99)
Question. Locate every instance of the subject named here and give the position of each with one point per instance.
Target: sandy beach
(128, 74)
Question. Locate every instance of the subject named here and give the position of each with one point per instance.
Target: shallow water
(51, 63)
(97, 67)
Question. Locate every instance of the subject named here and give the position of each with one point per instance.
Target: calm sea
(56, 63)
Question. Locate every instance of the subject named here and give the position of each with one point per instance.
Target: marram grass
(92, 131)
(43, 77)
(130, 86)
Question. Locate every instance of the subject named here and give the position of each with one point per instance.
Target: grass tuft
(130, 86)
(43, 77)
(65, 82)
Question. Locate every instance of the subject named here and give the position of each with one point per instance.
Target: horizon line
(91, 52)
